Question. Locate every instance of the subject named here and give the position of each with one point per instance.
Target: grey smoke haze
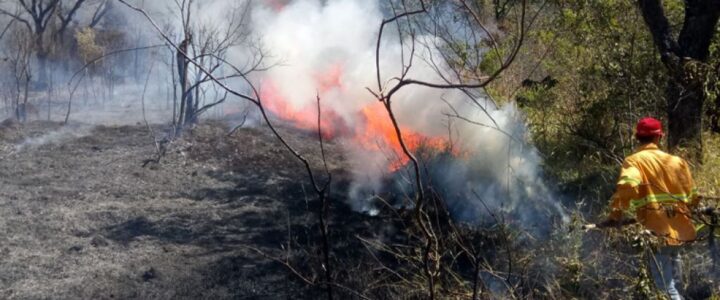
(59, 136)
(505, 173)
(311, 39)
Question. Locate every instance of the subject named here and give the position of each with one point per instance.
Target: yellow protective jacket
(659, 189)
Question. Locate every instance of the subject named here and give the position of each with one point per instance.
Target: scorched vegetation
(344, 149)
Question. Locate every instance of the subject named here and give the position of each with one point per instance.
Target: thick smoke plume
(328, 47)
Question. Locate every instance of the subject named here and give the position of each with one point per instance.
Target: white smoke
(56, 137)
(311, 38)
(328, 48)
(501, 171)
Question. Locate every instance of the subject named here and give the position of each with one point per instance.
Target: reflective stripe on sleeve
(659, 198)
(628, 180)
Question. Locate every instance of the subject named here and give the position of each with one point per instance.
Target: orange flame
(372, 132)
(277, 5)
(305, 118)
(379, 133)
(330, 79)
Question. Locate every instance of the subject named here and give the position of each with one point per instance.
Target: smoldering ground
(94, 213)
(329, 48)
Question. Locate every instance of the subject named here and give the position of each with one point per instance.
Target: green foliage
(607, 75)
(711, 86)
(588, 71)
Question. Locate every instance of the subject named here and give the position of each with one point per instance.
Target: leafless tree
(186, 56)
(426, 219)
(207, 45)
(81, 74)
(685, 57)
(460, 71)
(38, 16)
(18, 55)
(47, 23)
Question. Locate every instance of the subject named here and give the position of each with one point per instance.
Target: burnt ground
(82, 218)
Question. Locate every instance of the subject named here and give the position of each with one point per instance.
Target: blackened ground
(81, 218)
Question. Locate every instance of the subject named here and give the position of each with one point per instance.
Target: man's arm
(626, 189)
(620, 201)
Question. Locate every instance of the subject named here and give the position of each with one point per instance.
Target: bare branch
(16, 16)
(99, 58)
(319, 190)
(380, 33)
(99, 13)
(65, 19)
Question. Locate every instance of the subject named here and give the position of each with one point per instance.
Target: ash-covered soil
(82, 218)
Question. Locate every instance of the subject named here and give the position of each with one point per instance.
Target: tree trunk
(685, 111)
(23, 107)
(189, 108)
(42, 57)
(187, 101)
(17, 99)
(684, 59)
(182, 65)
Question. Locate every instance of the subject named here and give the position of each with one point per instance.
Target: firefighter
(659, 189)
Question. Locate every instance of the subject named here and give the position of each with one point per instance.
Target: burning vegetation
(340, 149)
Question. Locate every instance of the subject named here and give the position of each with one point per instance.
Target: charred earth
(83, 219)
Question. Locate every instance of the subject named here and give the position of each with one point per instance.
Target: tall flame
(378, 134)
(373, 130)
(305, 118)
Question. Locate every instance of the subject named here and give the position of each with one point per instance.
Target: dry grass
(706, 176)
(83, 220)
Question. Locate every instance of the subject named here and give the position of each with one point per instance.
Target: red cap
(648, 127)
